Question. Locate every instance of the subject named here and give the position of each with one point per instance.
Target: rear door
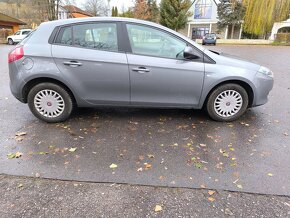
(159, 74)
(88, 56)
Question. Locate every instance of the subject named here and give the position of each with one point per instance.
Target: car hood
(231, 60)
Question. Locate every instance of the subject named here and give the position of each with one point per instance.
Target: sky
(121, 4)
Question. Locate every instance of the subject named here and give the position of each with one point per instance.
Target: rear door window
(100, 36)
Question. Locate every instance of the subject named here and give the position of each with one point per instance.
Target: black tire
(10, 42)
(66, 96)
(215, 93)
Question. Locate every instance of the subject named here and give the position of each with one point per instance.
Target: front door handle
(73, 63)
(141, 70)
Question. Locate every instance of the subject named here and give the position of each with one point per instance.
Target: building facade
(204, 20)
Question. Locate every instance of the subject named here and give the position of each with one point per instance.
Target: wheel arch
(33, 82)
(245, 85)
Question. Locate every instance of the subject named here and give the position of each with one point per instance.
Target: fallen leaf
(210, 192)
(211, 199)
(42, 153)
(113, 166)
(10, 156)
(228, 212)
(158, 208)
(270, 174)
(202, 145)
(198, 165)
(18, 154)
(148, 166)
(21, 134)
(150, 156)
(240, 186)
(72, 149)
(225, 154)
(20, 185)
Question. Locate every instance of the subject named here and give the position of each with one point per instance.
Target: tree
(52, 9)
(261, 15)
(141, 10)
(174, 13)
(129, 13)
(114, 12)
(96, 7)
(153, 11)
(230, 14)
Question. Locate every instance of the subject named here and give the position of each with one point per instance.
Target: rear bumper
(208, 41)
(16, 82)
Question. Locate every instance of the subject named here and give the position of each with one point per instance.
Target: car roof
(91, 19)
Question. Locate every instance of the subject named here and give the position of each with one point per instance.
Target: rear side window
(64, 36)
(101, 36)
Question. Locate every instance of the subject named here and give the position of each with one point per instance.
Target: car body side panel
(170, 82)
(215, 75)
(103, 77)
(37, 63)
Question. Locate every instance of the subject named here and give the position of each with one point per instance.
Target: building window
(203, 9)
(198, 33)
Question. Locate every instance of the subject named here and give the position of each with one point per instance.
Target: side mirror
(188, 53)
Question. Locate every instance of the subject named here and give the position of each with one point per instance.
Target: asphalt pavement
(35, 197)
(157, 147)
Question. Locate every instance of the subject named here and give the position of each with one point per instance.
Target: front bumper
(264, 84)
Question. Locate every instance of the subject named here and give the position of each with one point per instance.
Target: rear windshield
(210, 35)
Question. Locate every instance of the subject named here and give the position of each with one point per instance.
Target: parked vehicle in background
(91, 62)
(209, 38)
(18, 36)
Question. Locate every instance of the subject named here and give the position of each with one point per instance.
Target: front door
(91, 62)
(159, 74)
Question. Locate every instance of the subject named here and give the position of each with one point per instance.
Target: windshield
(27, 37)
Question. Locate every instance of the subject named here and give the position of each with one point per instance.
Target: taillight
(16, 54)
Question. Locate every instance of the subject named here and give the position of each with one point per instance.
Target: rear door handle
(141, 70)
(73, 63)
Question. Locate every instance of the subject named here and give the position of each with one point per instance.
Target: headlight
(266, 71)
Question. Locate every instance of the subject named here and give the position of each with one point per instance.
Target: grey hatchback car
(91, 62)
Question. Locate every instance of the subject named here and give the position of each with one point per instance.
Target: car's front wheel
(227, 102)
(10, 42)
(50, 102)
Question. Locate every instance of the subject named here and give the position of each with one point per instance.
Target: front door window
(152, 42)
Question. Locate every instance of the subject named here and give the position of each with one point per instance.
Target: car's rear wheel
(10, 42)
(227, 102)
(50, 102)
